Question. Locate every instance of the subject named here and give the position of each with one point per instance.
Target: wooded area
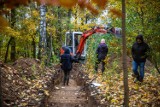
(32, 33)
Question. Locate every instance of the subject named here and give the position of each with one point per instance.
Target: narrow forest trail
(68, 96)
(72, 95)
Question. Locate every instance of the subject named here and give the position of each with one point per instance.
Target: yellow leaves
(3, 23)
(46, 92)
(11, 32)
(50, 17)
(82, 3)
(115, 12)
(114, 101)
(68, 3)
(30, 26)
(38, 85)
(35, 13)
(136, 87)
(63, 3)
(101, 3)
(13, 3)
(145, 100)
(92, 9)
(90, 5)
(51, 30)
(24, 104)
(47, 2)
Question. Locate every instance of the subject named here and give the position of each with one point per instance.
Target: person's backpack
(66, 62)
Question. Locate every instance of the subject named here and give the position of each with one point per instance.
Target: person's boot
(64, 82)
(140, 79)
(67, 81)
(136, 78)
(134, 75)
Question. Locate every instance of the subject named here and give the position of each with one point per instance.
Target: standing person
(67, 60)
(139, 55)
(101, 53)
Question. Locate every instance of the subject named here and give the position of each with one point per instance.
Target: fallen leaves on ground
(25, 83)
(145, 94)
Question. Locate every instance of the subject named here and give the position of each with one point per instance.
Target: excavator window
(69, 40)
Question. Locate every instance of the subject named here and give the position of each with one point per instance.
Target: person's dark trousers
(139, 75)
(96, 65)
(66, 77)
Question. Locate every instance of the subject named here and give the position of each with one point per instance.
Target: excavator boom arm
(85, 36)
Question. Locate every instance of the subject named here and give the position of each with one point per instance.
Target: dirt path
(68, 96)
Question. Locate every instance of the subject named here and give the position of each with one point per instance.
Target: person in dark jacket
(66, 65)
(101, 53)
(139, 55)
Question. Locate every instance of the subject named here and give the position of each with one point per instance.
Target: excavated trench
(79, 93)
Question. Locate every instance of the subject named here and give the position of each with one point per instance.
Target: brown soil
(24, 83)
(68, 96)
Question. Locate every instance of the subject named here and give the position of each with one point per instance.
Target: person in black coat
(66, 64)
(101, 53)
(139, 55)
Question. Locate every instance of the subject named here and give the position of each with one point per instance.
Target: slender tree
(125, 73)
(59, 30)
(13, 41)
(49, 48)
(43, 41)
(1, 98)
(69, 18)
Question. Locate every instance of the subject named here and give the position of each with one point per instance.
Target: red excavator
(75, 41)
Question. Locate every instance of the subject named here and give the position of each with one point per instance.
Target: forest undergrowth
(145, 94)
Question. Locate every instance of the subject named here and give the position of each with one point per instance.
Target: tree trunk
(76, 17)
(0, 47)
(156, 65)
(13, 49)
(25, 53)
(59, 26)
(28, 48)
(6, 55)
(49, 51)
(13, 41)
(1, 98)
(34, 47)
(86, 19)
(43, 41)
(82, 21)
(69, 18)
(125, 73)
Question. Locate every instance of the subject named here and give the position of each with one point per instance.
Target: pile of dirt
(25, 83)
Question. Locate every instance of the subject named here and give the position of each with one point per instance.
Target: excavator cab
(72, 40)
(76, 41)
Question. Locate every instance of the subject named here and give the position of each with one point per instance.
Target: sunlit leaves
(116, 12)
(48, 2)
(64, 3)
(92, 9)
(11, 32)
(14, 3)
(82, 3)
(68, 3)
(3, 23)
(35, 13)
(101, 3)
